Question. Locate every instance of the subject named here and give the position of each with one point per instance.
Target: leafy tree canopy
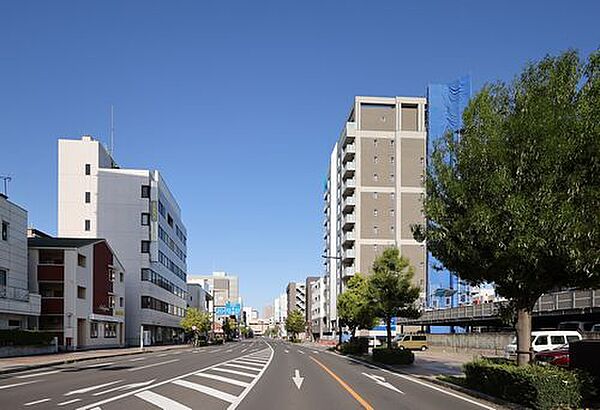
(355, 307)
(194, 317)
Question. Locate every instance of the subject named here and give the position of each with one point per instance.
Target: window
(14, 323)
(375, 159)
(88, 197)
(93, 330)
(557, 340)
(3, 277)
(375, 212)
(121, 276)
(145, 218)
(81, 260)
(392, 212)
(392, 228)
(170, 220)
(541, 340)
(572, 338)
(392, 176)
(145, 246)
(121, 302)
(391, 143)
(375, 195)
(110, 330)
(376, 230)
(80, 292)
(111, 302)
(161, 209)
(51, 257)
(375, 177)
(392, 159)
(87, 225)
(393, 196)
(88, 169)
(145, 191)
(375, 142)
(4, 231)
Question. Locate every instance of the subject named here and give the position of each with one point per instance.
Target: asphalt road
(250, 375)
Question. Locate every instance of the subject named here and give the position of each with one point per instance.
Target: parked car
(596, 327)
(545, 340)
(576, 325)
(377, 341)
(557, 357)
(411, 342)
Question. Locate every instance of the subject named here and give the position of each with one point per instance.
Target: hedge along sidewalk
(484, 401)
(21, 363)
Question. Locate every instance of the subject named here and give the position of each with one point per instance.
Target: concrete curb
(441, 383)
(69, 360)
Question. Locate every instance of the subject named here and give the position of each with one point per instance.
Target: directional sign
(297, 379)
(381, 381)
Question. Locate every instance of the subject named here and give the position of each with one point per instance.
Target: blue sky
(239, 103)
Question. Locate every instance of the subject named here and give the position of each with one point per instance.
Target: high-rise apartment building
(332, 260)
(296, 297)
(136, 213)
(375, 187)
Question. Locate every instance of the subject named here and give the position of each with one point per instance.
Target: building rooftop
(49, 242)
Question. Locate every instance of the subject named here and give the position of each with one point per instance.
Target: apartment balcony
(349, 169)
(348, 271)
(53, 306)
(50, 273)
(348, 152)
(348, 222)
(348, 187)
(348, 238)
(349, 254)
(349, 204)
(349, 133)
(19, 301)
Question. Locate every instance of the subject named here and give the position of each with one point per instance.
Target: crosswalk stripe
(161, 401)
(239, 366)
(249, 363)
(206, 390)
(220, 369)
(223, 379)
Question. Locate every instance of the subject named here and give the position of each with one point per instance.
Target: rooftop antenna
(112, 131)
(6, 179)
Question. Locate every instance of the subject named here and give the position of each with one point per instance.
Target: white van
(545, 340)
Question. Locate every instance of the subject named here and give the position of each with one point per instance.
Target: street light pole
(339, 293)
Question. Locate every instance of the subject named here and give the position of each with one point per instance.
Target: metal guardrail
(10, 292)
(564, 301)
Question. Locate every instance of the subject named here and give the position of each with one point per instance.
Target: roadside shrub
(393, 356)
(354, 346)
(11, 337)
(534, 386)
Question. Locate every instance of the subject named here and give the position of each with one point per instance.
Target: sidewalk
(15, 364)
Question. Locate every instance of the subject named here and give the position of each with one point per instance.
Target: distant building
(199, 297)
(296, 297)
(309, 299)
(268, 312)
(225, 287)
(82, 284)
(20, 303)
(280, 311)
(318, 318)
(141, 220)
(331, 256)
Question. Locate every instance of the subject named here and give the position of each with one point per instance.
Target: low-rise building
(318, 318)
(82, 285)
(19, 303)
(199, 297)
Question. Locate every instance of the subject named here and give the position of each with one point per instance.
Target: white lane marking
(172, 354)
(162, 355)
(249, 362)
(315, 352)
(241, 397)
(125, 387)
(8, 386)
(220, 369)
(286, 351)
(138, 359)
(243, 350)
(152, 365)
(98, 365)
(300, 351)
(412, 379)
(223, 379)
(25, 376)
(206, 390)
(91, 388)
(229, 351)
(161, 401)
(239, 366)
(127, 394)
(31, 403)
(64, 403)
(297, 379)
(381, 381)
(252, 359)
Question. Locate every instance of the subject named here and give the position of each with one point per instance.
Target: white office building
(139, 217)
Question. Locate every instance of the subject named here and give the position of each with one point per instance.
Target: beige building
(379, 186)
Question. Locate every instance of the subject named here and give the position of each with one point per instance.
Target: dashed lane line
(8, 386)
(153, 365)
(26, 376)
(64, 403)
(31, 403)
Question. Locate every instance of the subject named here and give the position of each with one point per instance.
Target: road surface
(255, 374)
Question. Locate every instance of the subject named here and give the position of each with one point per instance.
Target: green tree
(295, 323)
(514, 199)
(392, 291)
(354, 305)
(196, 322)
(229, 328)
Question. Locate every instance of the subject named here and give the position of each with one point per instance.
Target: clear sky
(239, 103)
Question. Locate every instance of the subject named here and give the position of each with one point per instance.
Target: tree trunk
(523, 336)
(388, 328)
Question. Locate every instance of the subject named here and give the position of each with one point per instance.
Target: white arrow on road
(297, 379)
(125, 387)
(381, 381)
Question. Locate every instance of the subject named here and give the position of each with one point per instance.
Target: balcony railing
(349, 168)
(349, 221)
(348, 152)
(349, 203)
(10, 292)
(349, 254)
(349, 237)
(348, 186)
(349, 271)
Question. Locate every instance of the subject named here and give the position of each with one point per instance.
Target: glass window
(145, 218)
(145, 191)
(145, 246)
(375, 177)
(541, 340)
(88, 197)
(121, 276)
(93, 330)
(3, 277)
(80, 292)
(120, 302)
(557, 340)
(110, 330)
(572, 338)
(81, 260)
(87, 225)
(4, 231)
(88, 169)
